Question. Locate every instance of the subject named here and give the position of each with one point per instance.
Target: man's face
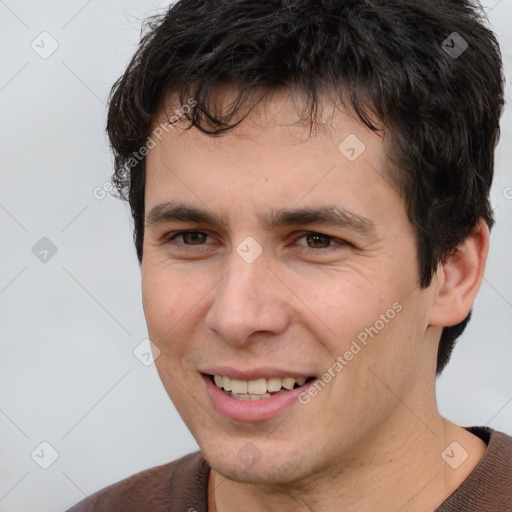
(273, 254)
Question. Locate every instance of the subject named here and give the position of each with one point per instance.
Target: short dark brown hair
(426, 75)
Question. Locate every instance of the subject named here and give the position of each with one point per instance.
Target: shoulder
(489, 487)
(182, 483)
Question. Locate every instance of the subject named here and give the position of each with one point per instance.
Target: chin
(258, 462)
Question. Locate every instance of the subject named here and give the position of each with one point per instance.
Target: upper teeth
(257, 386)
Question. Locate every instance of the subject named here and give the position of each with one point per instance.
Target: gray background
(69, 325)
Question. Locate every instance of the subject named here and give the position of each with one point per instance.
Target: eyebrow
(334, 215)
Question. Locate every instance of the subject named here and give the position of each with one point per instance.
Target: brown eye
(319, 245)
(194, 237)
(318, 241)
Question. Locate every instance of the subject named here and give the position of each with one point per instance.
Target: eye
(318, 241)
(311, 240)
(191, 237)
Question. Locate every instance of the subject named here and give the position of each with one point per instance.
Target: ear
(458, 279)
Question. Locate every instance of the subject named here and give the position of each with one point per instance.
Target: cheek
(341, 304)
(366, 322)
(172, 300)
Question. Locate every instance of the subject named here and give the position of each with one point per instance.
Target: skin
(372, 438)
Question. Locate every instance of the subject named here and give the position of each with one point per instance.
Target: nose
(250, 299)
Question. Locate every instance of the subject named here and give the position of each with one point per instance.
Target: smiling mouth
(258, 389)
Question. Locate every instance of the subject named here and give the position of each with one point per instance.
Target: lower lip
(251, 410)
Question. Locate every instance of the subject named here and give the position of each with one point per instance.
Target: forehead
(273, 156)
(262, 109)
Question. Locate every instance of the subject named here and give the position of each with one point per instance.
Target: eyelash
(335, 243)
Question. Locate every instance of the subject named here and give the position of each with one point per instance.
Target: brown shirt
(181, 486)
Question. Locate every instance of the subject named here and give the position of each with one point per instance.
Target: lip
(251, 410)
(254, 373)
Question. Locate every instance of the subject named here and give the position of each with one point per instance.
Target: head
(237, 115)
